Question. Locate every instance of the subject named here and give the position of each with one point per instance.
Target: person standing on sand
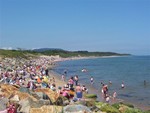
(63, 77)
(65, 74)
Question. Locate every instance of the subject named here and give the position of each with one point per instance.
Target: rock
(8, 90)
(24, 90)
(3, 102)
(47, 109)
(15, 98)
(23, 96)
(76, 109)
(17, 86)
(106, 107)
(3, 111)
(37, 95)
(91, 96)
(61, 101)
(51, 94)
(28, 103)
(44, 102)
(24, 106)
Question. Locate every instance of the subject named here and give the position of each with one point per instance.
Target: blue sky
(95, 25)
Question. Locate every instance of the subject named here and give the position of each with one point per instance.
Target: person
(53, 87)
(105, 90)
(92, 80)
(46, 72)
(107, 98)
(144, 82)
(84, 89)
(65, 93)
(114, 95)
(71, 82)
(122, 85)
(76, 79)
(62, 77)
(84, 70)
(110, 82)
(53, 80)
(78, 91)
(11, 109)
(65, 72)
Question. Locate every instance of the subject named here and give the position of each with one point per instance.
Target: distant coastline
(57, 54)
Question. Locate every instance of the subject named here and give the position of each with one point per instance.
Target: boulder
(23, 96)
(24, 106)
(24, 90)
(28, 103)
(3, 102)
(37, 95)
(51, 94)
(61, 101)
(47, 109)
(8, 90)
(15, 98)
(76, 109)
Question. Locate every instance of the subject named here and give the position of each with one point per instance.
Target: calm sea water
(133, 70)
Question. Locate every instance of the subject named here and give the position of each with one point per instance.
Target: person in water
(144, 82)
(92, 80)
(122, 85)
(114, 95)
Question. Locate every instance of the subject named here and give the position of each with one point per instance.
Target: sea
(133, 71)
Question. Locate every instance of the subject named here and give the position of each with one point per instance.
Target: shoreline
(53, 63)
(88, 57)
(94, 90)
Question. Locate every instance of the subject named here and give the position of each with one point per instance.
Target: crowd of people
(34, 74)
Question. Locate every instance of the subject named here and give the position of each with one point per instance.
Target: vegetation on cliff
(60, 52)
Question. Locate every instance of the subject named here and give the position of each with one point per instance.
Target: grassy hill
(62, 53)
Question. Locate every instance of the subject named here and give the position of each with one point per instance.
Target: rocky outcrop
(47, 109)
(3, 103)
(51, 94)
(76, 109)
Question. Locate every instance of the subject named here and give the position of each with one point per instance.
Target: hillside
(60, 52)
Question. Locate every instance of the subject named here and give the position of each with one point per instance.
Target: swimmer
(122, 85)
(92, 80)
(110, 82)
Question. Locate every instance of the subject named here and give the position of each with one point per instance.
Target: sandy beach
(35, 66)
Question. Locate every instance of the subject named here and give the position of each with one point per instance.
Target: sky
(121, 26)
